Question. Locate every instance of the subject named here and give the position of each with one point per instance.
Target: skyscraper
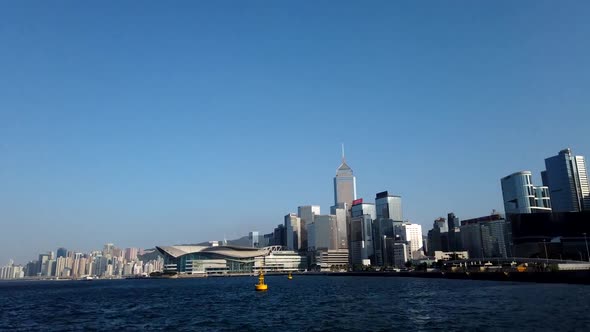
(412, 233)
(62, 252)
(520, 196)
(306, 214)
(293, 231)
(388, 206)
(344, 185)
(567, 179)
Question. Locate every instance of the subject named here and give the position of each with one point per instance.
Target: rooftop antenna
(343, 152)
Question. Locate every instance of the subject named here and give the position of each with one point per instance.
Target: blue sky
(147, 123)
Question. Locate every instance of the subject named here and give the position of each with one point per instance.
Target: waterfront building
(280, 261)
(450, 255)
(562, 235)
(330, 260)
(567, 179)
(11, 271)
(211, 260)
(400, 252)
(521, 196)
(388, 206)
(486, 237)
(344, 185)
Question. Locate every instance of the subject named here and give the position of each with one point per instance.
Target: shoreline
(580, 277)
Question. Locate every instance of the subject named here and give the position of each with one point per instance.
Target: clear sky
(143, 123)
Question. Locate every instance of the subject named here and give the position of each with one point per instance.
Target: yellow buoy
(290, 276)
(261, 286)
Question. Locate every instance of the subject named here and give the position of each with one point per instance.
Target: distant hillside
(244, 241)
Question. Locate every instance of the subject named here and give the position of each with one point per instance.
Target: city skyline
(220, 120)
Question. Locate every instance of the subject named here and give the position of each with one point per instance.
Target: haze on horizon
(160, 124)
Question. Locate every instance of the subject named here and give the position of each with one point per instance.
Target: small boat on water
(87, 278)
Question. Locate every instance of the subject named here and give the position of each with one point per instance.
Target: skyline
(138, 133)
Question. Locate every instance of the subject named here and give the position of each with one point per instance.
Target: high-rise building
(254, 238)
(293, 231)
(454, 233)
(520, 196)
(279, 236)
(131, 254)
(306, 213)
(62, 252)
(361, 239)
(344, 185)
(388, 206)
(325, 232)
(486, 236)
(359, 209)
(567, 179)
(412, 233)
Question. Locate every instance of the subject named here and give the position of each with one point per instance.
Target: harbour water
(306, 303)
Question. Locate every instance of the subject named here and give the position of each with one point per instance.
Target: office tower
(254, 239)
(454, 232)
(341, 226)
(361, 233)
(344, 185)
(359, 208)
(412, 233)
(293, 231)
(520, 196)
(306, 213)
(279, 236)
(486, 236)
(567, 179)
(42, 263)
(267, 240)
(388, 206)
(325, 232)
(438, 236)
(361, 239)
(62, 252)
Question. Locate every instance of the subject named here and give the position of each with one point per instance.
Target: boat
(261, 286)
(87, 278)
(290, 276)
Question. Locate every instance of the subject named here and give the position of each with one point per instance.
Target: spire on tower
(343, 159)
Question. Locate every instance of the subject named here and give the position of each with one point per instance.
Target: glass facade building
(210, 260)
(567, 179)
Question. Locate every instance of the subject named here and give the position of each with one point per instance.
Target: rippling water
(306, 303)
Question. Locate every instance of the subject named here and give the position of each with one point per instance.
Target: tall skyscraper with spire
(344, 185)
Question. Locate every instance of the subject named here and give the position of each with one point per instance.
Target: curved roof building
(207, 260)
